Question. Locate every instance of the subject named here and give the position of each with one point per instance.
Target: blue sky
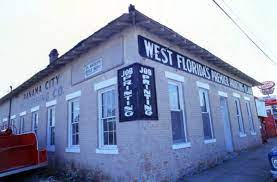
(31, 28)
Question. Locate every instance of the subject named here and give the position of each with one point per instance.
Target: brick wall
(145, 147)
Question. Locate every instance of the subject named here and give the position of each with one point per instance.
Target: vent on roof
(53, 55)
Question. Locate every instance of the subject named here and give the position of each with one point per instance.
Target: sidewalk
(251, 165)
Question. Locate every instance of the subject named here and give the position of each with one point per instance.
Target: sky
(30, 29)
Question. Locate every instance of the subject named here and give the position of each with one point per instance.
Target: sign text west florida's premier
(137, 93)
(154, 51)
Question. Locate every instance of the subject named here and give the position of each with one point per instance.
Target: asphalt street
(251, 165)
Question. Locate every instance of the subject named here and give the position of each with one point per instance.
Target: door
(226, 123)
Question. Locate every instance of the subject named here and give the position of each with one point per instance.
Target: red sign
(266, 85)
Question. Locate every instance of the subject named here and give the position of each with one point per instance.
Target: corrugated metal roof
(126, 20)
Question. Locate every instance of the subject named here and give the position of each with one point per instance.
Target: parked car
(272, 156)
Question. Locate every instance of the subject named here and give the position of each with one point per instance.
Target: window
(107, 118)
(206, 114)
(13, 125)
(4, 123)
(74, 118)
(176, 105)
(35, 121)
(51, 128)
(12, 122)
(250, 118)
(239, 117)
(22, 124)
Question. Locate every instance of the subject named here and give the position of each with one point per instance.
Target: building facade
(138, 101)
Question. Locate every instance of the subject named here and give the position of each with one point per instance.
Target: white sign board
(261, 109)
(93, 68)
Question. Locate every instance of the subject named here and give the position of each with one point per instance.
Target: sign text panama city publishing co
(137, 93)
(52, 83)
(154, 51)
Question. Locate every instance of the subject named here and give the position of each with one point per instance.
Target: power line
(243, 25)
(245, 33)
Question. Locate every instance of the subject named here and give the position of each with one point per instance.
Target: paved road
(251, 165)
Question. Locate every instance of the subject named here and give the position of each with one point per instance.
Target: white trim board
(73, 95)
(203, 85)
(51, 103)
(210, 141)
(106, 151)
(174, 76)
(242, 135)
(223, 94)
(236, 95)
(35, 109)
(181, 145)
(247, 98)
(72, 149)
(106, 83)
(22, 113)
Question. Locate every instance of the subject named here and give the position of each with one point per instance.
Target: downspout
(10, 107)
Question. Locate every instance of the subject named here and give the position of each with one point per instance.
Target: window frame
(101, 144)
(205, 91)
(32, 121)
(21, 124)
(13, 124)
(181, 103)
(239, 117)
(69, 131)
(250, 117)
(4, 122)
(50, 147)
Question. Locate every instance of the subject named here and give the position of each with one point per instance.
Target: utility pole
(10, 107)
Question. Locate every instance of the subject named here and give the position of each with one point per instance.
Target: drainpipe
(9, 118)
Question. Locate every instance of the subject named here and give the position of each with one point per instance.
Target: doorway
(226, 123)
